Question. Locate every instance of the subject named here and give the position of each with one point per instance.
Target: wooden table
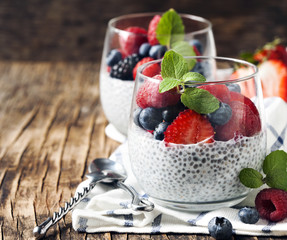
(52, 126)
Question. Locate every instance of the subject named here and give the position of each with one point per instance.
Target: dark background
(73, 30)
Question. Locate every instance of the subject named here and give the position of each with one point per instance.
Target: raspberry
(188, 128)
(149, 96)
(124, 68)
(130, 42)
(271, 204)
(151, 34)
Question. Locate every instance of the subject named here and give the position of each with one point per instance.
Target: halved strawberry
(148, 95)
(248, 86)
(218, 90)
(188, 128)
(150, 70)
(131, 39)
(151, 33)
(273, 74)
(243, 122)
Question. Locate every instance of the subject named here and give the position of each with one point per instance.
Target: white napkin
(105, 209)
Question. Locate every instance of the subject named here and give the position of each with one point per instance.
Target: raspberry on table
(271, 203)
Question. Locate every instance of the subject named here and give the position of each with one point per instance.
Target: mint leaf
(173, 65)
(277, 178)
(193, 77)
(167, 84)
(275, 160)
(199, 100)
(185, 49)
(251, 178)
(170, 28)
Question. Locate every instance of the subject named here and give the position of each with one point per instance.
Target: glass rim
(227, 59)
(185, 15)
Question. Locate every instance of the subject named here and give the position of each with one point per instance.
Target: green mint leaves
(175, 73)
(170, 28)
(275, 169)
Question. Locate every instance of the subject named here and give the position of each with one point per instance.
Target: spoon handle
(138, 203)
(40, 231)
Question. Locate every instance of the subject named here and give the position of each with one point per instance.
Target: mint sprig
(175, 73)
(274, 168)
(170, 28)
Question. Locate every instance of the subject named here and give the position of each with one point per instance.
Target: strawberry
(132, 39)
(248, 86)
(271, 51)
(197, 52)
(220, 91)
(243, 122)
(148, 95)
(188, 128)
(271, 204)
(151, 33)
(273, 74)
(150, 70)
(235, 96)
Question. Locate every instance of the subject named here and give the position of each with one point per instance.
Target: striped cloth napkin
(106, 209)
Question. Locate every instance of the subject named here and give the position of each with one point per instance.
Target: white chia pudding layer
(194, 173)
(116, 98)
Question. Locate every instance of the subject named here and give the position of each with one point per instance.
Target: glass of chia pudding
(191, 132)
(134, 39)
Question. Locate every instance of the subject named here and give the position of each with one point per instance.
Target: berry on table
(160, 129)
(188, 128)
(220, 228)
(113, 57)
(148, 95)
(124, 68)
(144, 50)
(157, 51)
(271, 204)
(151, 33)
(221, 116)
(150, 117)
(131, 39)
(248, 215)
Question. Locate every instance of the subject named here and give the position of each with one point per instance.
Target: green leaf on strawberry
(199, 100)
(170, 28)
(193, 77)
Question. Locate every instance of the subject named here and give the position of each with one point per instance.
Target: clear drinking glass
(201, 174)
(116, 93)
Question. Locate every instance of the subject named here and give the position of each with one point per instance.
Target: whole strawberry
(151, 34)
(131, 39)
(148, 95)
(271, 203)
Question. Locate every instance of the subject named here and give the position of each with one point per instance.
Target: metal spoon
(107, 166)
(101, 170)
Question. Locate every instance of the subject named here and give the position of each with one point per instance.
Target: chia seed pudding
(116, 98)
(193, 173)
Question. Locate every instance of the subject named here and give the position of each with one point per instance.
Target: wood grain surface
(52, 126)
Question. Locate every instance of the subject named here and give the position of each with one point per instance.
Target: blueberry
(171, 112)
(221, 116)
(203, 68)
(220, 228)
(113, 57)
(150, 117)
(160, 129)
(144, 50)
(136, 116)
(157, 51)
(197, 44)
(233, 87)
(248, 215)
